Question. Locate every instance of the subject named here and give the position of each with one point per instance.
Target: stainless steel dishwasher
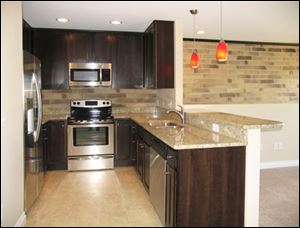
(158, 184)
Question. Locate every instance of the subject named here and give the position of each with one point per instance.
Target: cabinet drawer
(90, 163)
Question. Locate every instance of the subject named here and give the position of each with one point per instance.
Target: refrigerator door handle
(36, 132)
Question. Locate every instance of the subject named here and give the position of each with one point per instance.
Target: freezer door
(33, 153)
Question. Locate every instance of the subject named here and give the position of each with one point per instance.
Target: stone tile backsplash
(254, 73)
(56, 103)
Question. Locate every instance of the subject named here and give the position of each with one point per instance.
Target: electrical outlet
(280, 146)
(216, 127)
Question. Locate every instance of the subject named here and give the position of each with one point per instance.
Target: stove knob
(78, 102)
(103, 102)
(74, 103)
(107, 103)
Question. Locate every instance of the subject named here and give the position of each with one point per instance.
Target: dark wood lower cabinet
(125, 143)
(146, 176)
(140, 157)
(55, 144)
(211, 187)
(203, 187)
(122, 142)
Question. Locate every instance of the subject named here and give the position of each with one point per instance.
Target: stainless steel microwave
(90, 74)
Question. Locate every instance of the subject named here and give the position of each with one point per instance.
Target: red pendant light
(222, 48)
(195, 59)
(222, 51)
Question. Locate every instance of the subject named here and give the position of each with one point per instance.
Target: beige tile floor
(117, 198)
(97, 198)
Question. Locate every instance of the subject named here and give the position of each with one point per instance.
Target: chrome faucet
(180, 113)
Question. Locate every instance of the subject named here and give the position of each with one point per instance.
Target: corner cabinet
(159, 55)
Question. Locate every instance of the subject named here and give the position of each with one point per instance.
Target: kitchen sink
(164, 124)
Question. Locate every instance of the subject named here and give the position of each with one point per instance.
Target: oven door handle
(89, 125)
(91, 157)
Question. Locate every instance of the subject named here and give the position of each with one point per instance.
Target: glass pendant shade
(195, 60)
(222, 51)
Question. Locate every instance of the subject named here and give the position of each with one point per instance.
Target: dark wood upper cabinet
(159, 55)
(27, 37)
(139, 60)
(50, 46)
(128, 60)
(79, 46)
(103, 47)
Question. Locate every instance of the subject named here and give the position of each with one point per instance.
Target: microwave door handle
(36, 132)
(100, 75)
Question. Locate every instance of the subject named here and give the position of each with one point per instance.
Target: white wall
(288, 135)
(12, 162)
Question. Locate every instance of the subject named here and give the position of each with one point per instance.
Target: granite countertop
(188, 137)
(242, 121)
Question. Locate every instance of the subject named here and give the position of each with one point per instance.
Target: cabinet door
(79, 47)
(50, 47)
(159, 55)
(128, 62)
(140, 158)
(27, 37)
(134, 143)
(147, 166)
(122, 134)
(149, 76)
(55, 145)
(164, 54)
(103, 47)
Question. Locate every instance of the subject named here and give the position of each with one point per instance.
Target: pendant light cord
(194, 32)
(221, 16)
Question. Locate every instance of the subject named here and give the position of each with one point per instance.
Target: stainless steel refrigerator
(33, 145)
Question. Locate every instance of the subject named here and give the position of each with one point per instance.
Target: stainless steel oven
(90, 139)
(90, 135)
(90, 146)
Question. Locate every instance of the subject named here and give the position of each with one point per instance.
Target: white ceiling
(264, 21)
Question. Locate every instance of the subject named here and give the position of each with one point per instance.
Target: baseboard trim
(279, 164)
(21, 221)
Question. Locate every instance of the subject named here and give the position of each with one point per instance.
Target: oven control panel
(90, 103)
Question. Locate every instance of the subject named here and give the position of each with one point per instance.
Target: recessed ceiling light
(200, 32)
(115, 22)
(62, 20)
